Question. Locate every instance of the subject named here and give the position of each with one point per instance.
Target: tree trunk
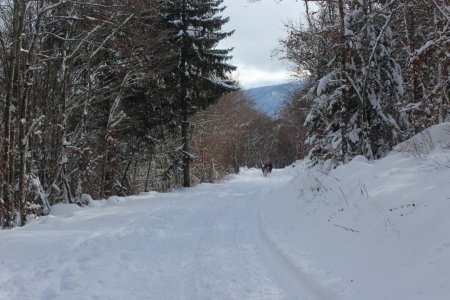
(343, 54)
(24, 126)
(410, 21)
(147, 177)
(184, 105)
(185, 122)
(12, 91)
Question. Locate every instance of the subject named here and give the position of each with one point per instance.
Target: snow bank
(62, 209)
(434, 138)
(371, 230)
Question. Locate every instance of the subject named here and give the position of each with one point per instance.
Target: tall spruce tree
(202, 73)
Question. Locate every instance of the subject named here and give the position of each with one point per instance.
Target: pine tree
(355, 94)
(375, 80)
(201, 75)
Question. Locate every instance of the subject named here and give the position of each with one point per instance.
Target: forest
(379, 72)
(102, 98)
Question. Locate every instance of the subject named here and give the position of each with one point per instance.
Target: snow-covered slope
(371, 230)
(270, 99)
(367, 230)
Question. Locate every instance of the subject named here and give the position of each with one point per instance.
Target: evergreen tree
(355, 94)
(375, 81)
(201, 74)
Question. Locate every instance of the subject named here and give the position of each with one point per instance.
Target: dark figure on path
(267, 168)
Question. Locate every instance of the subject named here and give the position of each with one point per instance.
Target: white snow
(63, 209)
(323, 83)
(366, 230)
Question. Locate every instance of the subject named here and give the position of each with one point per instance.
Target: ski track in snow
(203, 243)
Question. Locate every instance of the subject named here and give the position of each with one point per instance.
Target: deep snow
(367, 230)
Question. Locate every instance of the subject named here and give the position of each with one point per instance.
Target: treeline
(232, 134)
(379, 72)
(97, 96)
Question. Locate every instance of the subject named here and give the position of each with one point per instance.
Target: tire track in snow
(231, 259)
(258, 256)
(299, 283)
(293, 275)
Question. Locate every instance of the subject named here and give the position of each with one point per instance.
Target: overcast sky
(258, 27)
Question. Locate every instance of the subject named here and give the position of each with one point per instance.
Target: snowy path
(367, 230)
(201, 243)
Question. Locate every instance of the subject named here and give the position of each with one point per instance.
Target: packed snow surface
(367, 230)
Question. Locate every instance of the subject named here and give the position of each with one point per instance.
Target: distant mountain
(270, 99)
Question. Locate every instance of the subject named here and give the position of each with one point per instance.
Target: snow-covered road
(366, 230)
(201, 243)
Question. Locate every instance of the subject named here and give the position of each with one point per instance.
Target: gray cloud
(258, 27)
